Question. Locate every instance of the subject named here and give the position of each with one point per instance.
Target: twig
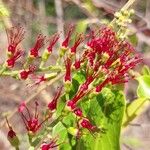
(60, 22)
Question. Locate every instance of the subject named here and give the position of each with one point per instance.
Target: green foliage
(133, 39)
(143, 90)
(133, 110)
(104, 110)
(81, 26)
(3, 11)
(146, 70)
(107, 115)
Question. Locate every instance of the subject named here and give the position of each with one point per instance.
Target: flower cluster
(104, 59)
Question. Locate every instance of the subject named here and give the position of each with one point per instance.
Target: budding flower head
(31, 121)
(53, 104)
(34, 52)
(11, 136)
(15, 35)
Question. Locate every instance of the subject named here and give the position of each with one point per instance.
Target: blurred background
(50, 16)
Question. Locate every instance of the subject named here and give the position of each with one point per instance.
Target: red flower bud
(85, 123)
(52, 42)
(50, 145)
(15, 35)
(78, 40)
(68, 69)
(25, 73)
(12, 60)
(53, 104)
(78, 112)
(34, 52)
(11, 136)
(65, 43)
(77, 64)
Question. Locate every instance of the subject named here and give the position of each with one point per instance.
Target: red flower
(79, 38)
(68, 69)
(83, 90)
(38, 79)
(52, 42)
(31, 122)
(50, 145)
(85, 123)
(34, 52)
(53, 104)
(78, 112)
(77, 64)
(65, 43)
(15, 35)
(12, 60)
(25, 73)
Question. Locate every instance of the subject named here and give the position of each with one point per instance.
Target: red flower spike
(39, 43)
(65, 43)
(50, 145)
(79, 38)
(85, 123)
(68, 69)
(14, 35)
(53, 104)
(52, 42)
(12, 60)
(31, 122)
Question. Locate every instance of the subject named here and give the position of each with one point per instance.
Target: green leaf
(133, 110)
(106, 112)
(81, 26)
(133, 39)
(143, 90)
(146, 70)
(60, 130)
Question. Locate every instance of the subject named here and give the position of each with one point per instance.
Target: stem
(128, 4)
